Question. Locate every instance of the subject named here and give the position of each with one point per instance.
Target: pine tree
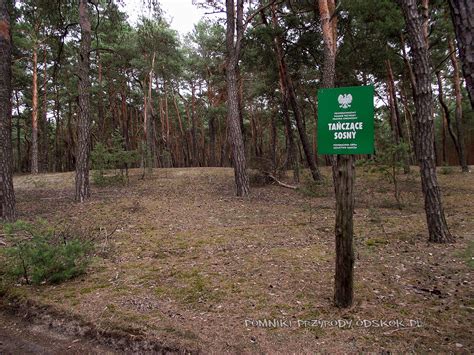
(7, 194)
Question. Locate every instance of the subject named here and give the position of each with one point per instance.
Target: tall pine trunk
(233, 45)
(44, 131)
(458, 112)
(462, 14)
(289, 95)
(395, 119)
(34, 114)
(445, 117)
(424, 125)
(83, 124)
(7, 194)
(194, 126)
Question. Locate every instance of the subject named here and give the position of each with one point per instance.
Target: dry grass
(190, 262)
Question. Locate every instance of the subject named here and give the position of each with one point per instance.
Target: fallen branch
(282, 184)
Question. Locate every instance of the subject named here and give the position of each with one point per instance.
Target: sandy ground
(180, 261)
(18, 336)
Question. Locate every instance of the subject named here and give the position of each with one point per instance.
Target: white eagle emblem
(345, 100)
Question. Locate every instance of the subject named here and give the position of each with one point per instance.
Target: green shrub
(468, 254)
(38, 254)
(446, 170)
(114, 158)
(312, 188)
(389, 159)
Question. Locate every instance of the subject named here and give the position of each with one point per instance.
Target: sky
(182, 14)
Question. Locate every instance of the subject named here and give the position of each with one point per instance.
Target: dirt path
(20, 337)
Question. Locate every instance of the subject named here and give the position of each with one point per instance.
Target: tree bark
(343, 174)
(44, 131)
(183, 139)
(444, 117)
(289, 95)
(235, 29)
(458, 111)
(34, 114)
(462, 15)
(273, 144)
(424, 125)
(194, 126)
(408, 124)
(147, 145)
(329, 61)
(395, 120)
(212, 141)
(7, 194)
(344, 279)
(18, 134)
(292, 161)
(72, 144)
(100, 100)
(447, 115)
(84, 122)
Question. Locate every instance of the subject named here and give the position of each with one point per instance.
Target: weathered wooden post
(345, 128)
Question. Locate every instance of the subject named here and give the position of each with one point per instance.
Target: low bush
(37, 254)
(113, 159)
(446, 170)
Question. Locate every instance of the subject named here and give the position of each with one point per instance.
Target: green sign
(346, 120)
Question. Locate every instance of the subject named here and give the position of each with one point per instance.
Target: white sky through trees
(182, 14)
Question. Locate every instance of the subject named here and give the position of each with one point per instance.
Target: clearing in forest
(180, 260)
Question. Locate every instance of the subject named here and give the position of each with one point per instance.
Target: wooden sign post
(345, 128)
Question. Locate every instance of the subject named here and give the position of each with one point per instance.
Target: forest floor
(183, 264)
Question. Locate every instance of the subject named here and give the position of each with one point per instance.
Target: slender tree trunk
(310, 159)
(292, 160)
(193, 125)
(235, 22)
(18, 133)
(409, 125)
(253, 132)
(184, 142)
(70, 162)
(84, 121)
(34, 114)
(344, 279)
(212, 122)
(44, 132)
(58, 131)
(391, 98)
(125, 120)
(7, 194)
(202, 142)
(329, 61)
(424, 126)
(395, 119)
(290, 96)
(444, 117)
(447, 114)
(100, 99)
(212, 141)
(292, 156)
(462, 14)
(273, 146)
(166, 114)
(458, 111)
(147, 145)
(315, 132)
(343, 174)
